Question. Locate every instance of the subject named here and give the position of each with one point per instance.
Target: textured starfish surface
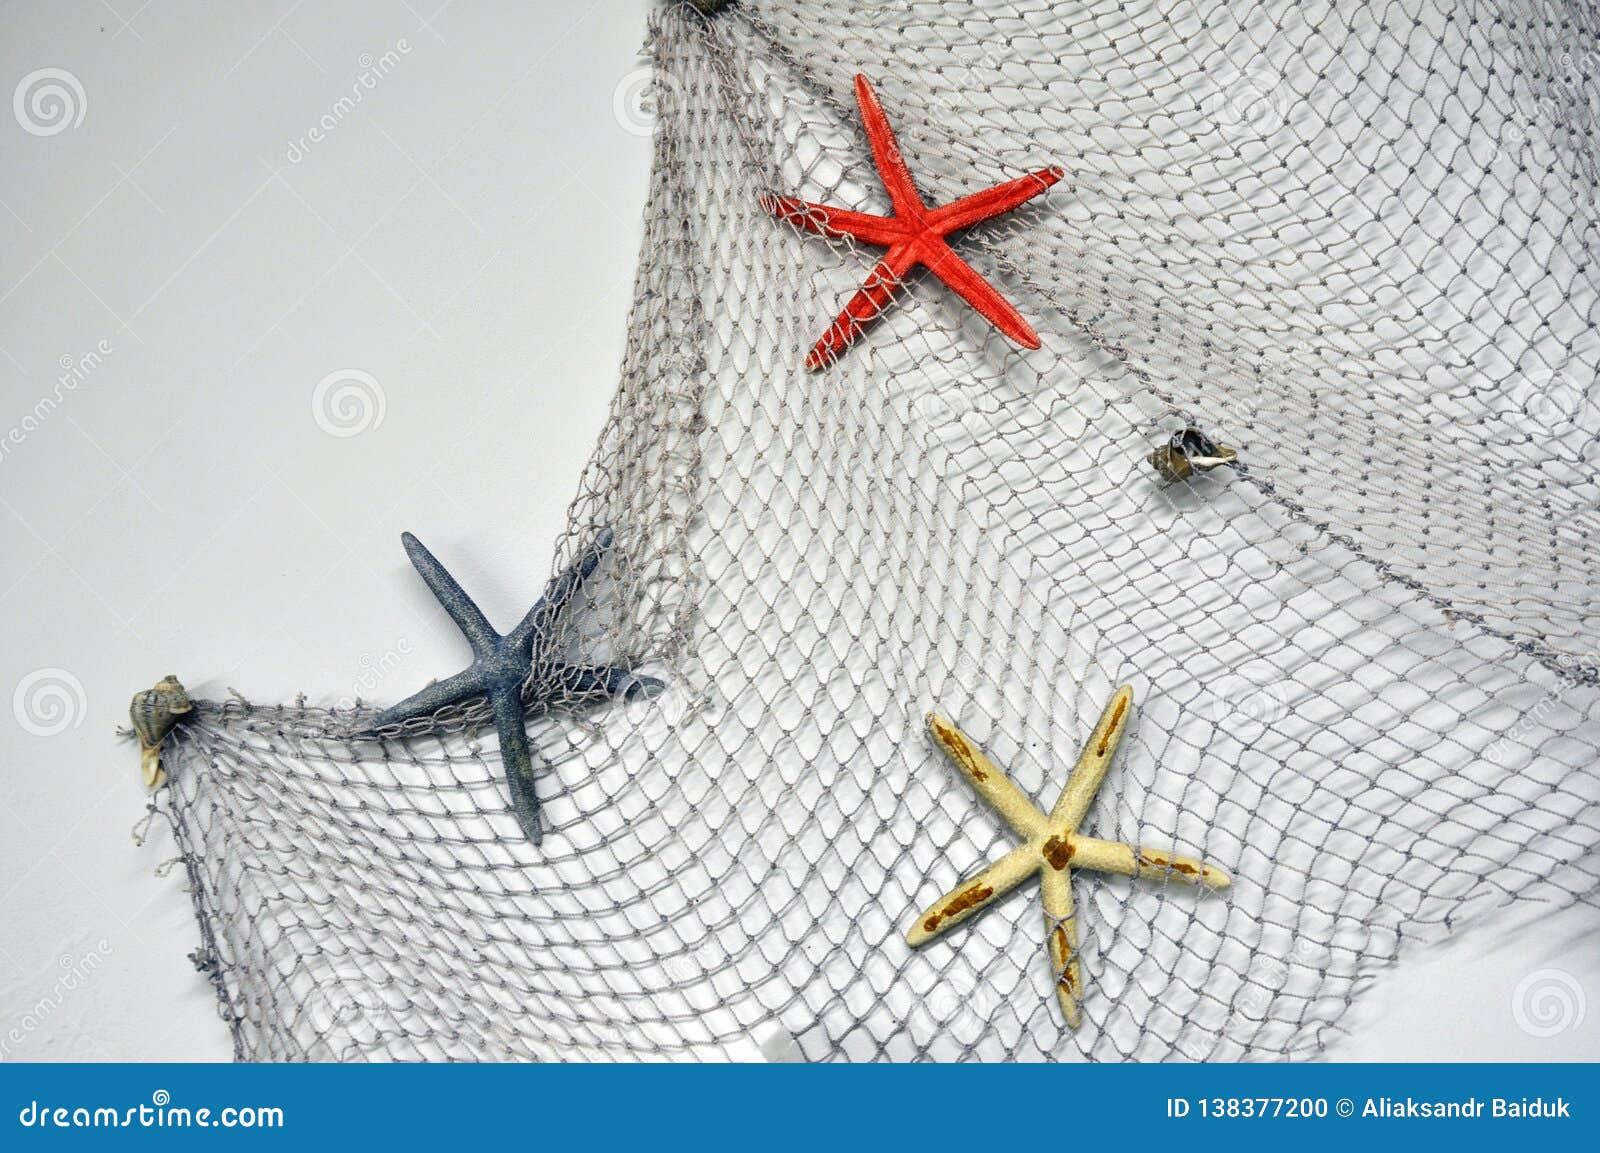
(914, 235)
(1052, 847)
(502, 665)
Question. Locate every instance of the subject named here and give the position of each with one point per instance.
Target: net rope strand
(1355, 242)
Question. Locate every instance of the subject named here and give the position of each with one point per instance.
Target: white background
(465, 237)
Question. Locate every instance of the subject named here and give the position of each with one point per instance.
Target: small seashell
(153, 713)
(1189, 451)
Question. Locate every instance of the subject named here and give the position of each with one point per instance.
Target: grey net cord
(1355, 241)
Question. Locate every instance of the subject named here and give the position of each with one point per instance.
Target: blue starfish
(502, 665)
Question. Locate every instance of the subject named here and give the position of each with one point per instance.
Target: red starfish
(914, 235)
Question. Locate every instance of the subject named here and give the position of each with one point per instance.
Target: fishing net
(1355, 242)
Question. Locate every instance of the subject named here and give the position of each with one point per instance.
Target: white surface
(465, 235)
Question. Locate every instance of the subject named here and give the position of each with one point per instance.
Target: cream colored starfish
(1053, 847)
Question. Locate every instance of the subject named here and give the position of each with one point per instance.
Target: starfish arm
(468, 617)
(836, 222)
(1116, 857)
(536, 628)
(466, 685)
(992, 202)
(965, 281)
(873, 297)
(976, 894)
(1084, 782)
(886, 153)
(992, 784)
(1061, 934)
(578, 683)
(517, 758)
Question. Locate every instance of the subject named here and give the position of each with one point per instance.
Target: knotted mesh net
(1355, 242)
